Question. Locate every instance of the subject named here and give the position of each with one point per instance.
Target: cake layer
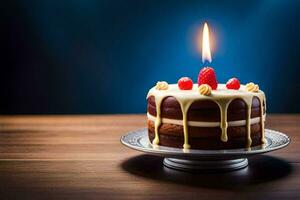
(205, 137)
(205, 144)
(204, 132)
(204, 110)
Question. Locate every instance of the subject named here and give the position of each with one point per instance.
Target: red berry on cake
(233, 84)
(207, 76)
(185, 83)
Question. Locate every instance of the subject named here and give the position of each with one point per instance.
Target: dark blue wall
(102, 56)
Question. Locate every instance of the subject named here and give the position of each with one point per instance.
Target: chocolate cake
(202, 118)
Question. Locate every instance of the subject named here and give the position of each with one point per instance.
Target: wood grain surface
(80, 157)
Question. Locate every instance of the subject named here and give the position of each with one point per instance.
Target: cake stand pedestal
(206, 160)
(202, 165)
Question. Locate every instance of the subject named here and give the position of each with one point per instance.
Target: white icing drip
(248, 102)
(185, 105)
(158, 100)
(221, 96)
(223, 105)
(205, 124)
(263, 139)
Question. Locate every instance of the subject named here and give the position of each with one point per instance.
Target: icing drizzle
(222, 97)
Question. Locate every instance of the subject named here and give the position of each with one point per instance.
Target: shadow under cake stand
(211, 160)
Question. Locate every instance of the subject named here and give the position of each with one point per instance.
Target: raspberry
(233, 84)
(185, 83)
(207, 76)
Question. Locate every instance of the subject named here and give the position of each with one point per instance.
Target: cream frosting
(251, 87)
(222, 97)
(162, 85)
(204, 89)
(205, 124)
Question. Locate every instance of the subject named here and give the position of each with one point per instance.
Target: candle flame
(206, 55)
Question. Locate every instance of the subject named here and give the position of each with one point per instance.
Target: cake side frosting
(222, 97)
(206, 124)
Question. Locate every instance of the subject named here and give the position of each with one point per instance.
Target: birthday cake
(206, 115)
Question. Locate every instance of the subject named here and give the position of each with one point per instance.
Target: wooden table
(80, 157)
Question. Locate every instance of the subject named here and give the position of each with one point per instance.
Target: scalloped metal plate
(138, 140)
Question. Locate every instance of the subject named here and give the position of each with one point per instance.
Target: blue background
(102, 56)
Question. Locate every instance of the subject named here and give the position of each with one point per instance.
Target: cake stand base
(206, 160)
(200, 165)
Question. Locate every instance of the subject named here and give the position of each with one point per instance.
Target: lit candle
(206, 55)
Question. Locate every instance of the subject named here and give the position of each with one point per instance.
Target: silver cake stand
(211, 160)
